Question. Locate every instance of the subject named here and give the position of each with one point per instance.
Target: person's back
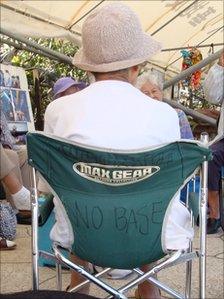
(112, 114)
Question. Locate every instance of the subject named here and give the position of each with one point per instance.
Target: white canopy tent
(175, 23)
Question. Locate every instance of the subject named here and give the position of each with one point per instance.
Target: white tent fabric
(186, 23)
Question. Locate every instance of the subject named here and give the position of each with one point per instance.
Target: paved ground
(15, 269)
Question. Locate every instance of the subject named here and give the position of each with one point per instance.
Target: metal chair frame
(174, 258)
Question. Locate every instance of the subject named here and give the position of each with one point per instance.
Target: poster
(14, 98)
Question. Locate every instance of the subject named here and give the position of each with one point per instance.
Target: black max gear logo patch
(114, 175)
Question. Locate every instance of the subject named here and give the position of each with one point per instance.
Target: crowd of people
(119, 110)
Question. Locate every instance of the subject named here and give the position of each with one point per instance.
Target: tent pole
(35, 45)
(37, 100)
(23, 13)
(189, 47)
(88, 12)
(26, 48)
(213, 33)
(195, 114)
(168, 22)
(192, 69)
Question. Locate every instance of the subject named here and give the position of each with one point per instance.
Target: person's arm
(213, 83)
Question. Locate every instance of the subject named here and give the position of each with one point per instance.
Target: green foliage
(48, 70)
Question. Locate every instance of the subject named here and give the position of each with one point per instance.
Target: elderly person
(112, 113)
(66, 86)
(11, 179)
(214, 93)
(151, 85)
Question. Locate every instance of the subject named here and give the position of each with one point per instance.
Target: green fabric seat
(116, 200)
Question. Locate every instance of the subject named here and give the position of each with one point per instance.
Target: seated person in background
(151, 85)
(65, 86)
(11, 179)
(112, 114)
(214, 93)
(17, 154)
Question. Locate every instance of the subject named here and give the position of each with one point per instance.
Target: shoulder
(166, 108)
(164, 112)
(60, 103)
(162, 106)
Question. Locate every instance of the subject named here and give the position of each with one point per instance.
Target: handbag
(7, 221)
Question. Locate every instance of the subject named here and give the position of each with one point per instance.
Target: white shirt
(115, 115)
(214, 92)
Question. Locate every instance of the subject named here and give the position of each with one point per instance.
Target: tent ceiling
(201, 22)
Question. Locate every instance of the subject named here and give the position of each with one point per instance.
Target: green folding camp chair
(116, 202)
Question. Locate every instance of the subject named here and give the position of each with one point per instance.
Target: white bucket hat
(113, 39)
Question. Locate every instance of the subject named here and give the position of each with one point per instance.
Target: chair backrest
(115, 200)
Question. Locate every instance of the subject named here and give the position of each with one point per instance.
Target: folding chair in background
(116, 202)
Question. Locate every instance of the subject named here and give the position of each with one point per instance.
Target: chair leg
(34, 210)
(202, 276)
(172, 259)
(84, 283)
(59, 276)
(203, 224)
(160, 285)
(63, 260)
(189, 266)
(188, 275)
(203, 232)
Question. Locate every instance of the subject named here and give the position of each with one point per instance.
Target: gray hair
(149, 76)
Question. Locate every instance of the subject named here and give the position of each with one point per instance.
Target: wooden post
(39, 124)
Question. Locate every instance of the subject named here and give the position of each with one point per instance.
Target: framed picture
(15, 99)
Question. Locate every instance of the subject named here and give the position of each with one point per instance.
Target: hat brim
(146, 50)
